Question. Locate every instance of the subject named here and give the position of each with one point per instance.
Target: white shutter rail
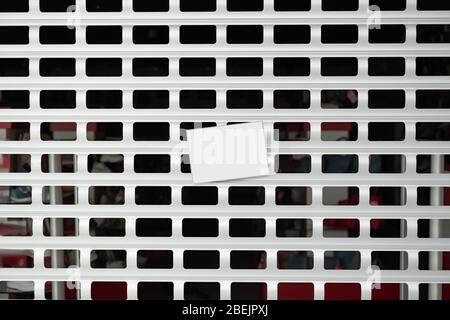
(220, 82)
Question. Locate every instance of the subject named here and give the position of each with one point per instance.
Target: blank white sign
(227, 152)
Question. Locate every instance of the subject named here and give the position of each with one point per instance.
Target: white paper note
(227, 152)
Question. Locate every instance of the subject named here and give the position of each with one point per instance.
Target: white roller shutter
(286, 77)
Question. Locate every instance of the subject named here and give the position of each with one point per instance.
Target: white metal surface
(411, 212)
